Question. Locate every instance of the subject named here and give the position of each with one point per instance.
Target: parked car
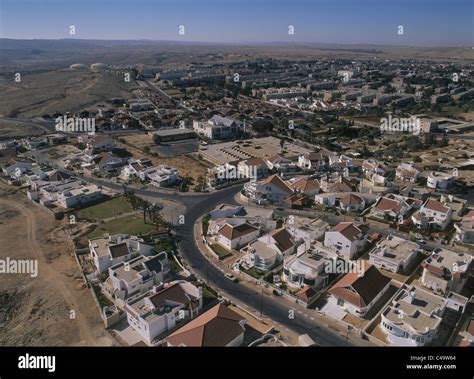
(232, 278)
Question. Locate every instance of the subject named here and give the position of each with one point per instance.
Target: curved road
(273, 309)
(197, 206)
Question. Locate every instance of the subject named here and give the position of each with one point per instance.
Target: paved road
(196, 206)
(273, 309)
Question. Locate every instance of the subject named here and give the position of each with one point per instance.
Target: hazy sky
(425, 22)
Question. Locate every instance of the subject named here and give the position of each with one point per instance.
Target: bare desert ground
(37, 311)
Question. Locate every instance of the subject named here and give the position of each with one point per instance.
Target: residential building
(218, 127)
(308, 269)
(413, 318)
(311, 161)
(407, 172)
(133, 168)
(306, 186)
(394, 253)
(432, 214)
(218, 327)
(280, 164)
(306, 231)
(98, 143)
(253, 168)
(465, 229)
(109, 251)
(153, 314)
(131, 278)
(439, 180)
(160, 176)
(346, 238)
(236, 236)
(357, 294)
(273, 189)
(351, 203)
(75, 197)
(446, 271)
(269, 250)
(372, 167)
(394, 207)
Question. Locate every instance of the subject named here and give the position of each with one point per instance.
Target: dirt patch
(54, 308)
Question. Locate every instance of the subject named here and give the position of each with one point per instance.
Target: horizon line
(289, 43)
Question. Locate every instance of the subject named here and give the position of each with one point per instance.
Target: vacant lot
(106, 209)
(37, 310)
(127, 225)
(18, 129)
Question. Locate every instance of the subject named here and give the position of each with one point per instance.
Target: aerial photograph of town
(262, 175)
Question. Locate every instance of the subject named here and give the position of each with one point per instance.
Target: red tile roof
(217, 327)
(360, 290)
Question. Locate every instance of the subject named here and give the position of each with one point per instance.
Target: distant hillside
(39, 54)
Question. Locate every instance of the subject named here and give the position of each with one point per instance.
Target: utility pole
(261, 303)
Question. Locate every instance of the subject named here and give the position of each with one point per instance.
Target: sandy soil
(38, 310)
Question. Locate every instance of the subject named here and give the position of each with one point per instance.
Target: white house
(280, 164)
(413, 318)
(134, 168)
(407, 172)
(432, 214)
(279, 240)
(269, 249)
(235, 236)
(218, 127)
(311, 161)
(272, 188)
(306, 186)
(99, 143)
(394, 207)
(357, 294)
(307, 269)
(439, 180)
(137, 276)
(155, 313)
(351, 203)
(80, 196)
(371, 167)
(465, 229)
(325, 199)
(346, 239)
(259, 255)
(446, 271)
(160, 176)
(394, 253)
(306, 231)
(253, 168)
(107, 252)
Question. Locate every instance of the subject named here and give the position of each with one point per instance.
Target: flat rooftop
(235, 151)
(416, 309)
(453, 261)
(394, 249)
